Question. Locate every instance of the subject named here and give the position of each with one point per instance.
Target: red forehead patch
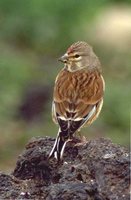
(76, 46)
(70, 49)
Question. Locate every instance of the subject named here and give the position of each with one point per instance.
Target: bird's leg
(79, 134)
(81, 137)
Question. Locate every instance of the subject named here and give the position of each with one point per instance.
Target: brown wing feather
(77, 92)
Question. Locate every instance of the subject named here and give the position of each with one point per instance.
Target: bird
(78, 94)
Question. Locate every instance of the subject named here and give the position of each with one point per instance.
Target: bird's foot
(83, 141)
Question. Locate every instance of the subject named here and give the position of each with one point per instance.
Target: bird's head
(80, 55)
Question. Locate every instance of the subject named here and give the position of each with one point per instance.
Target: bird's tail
(59, 146)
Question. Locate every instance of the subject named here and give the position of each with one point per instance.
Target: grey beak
(63, 58)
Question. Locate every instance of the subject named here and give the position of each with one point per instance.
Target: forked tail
(66, 130)
(59, 146)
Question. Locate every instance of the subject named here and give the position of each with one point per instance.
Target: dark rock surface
(92, 170)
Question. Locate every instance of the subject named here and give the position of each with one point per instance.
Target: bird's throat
(71, 68)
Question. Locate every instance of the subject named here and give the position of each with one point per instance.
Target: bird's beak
(63, 58)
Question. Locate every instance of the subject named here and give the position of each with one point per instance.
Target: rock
(91, 170)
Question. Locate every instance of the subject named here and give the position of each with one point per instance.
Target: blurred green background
(33, 35)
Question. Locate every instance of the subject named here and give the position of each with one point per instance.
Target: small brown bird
(78, 94)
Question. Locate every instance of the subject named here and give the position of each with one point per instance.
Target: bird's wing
(77, 97)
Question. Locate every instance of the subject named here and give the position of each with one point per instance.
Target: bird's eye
(77, 56)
